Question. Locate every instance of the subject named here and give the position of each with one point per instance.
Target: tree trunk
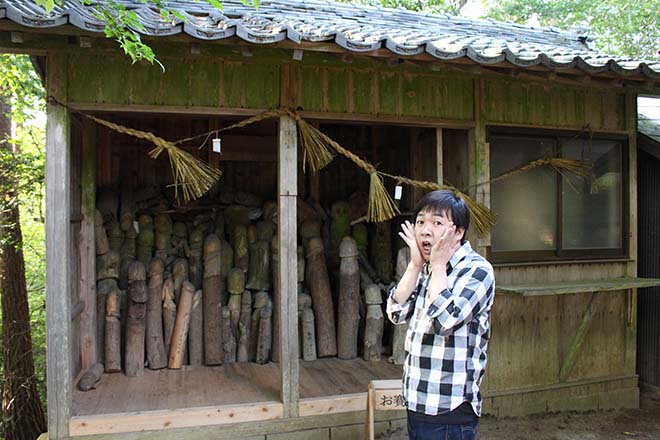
(23, 415)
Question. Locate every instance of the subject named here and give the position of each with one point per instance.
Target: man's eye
(419, 222)
(437, 223)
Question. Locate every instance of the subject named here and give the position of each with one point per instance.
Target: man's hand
(444, 248)
(407, 234)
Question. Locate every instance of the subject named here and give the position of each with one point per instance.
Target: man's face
(429, 227)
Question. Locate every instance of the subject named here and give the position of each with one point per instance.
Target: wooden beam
(288, 263)
(581, 286)
(319, 406)
(175, 418)
(439, 156)
(58, 252)
(576, 344)
(89, 348)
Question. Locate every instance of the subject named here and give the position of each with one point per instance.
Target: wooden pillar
(89, 345)
(288, 264)
(439, 156)
(630, 354)
(58, 251)
(479, 163)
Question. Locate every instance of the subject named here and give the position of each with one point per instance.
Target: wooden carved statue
(156, 356)
(240, 245)
(228, 338)
(127, 207)
(107, 265)
(251, 234)
(340, 223)
(348, 308)
(195, 258)
(145, 240)
(319, 287)
(179, 275)
(261, 300)
(180, 240)
(196, 332)
(169, 312)
(235, 286)
(113, 332)
(264, 338)
(244, 323)
(135, 321)
(306, 331)
(226, 258)
(163, 237)
(308, 230)
(181, 326)
(259, 266)
(381, 252)
(115, 237)
(373, 333)
(212, 299)
(127, 254)
(360, 234)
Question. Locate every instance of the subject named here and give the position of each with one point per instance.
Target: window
(543, 214)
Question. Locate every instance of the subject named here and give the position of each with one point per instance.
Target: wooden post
(382, 395)
(439, 156)
(156, 355)
(349, 300)
(288, 267)
(180, 334)
(58, 251)
(479, 161)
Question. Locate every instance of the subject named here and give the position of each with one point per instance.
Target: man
(445, 294)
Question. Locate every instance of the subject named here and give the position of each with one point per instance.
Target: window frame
(559, 254)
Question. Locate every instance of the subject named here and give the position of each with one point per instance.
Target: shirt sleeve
(471, 294)
(400, 313)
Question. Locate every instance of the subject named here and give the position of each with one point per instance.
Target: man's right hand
(407, 234)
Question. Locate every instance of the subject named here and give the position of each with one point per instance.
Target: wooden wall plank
(58, 251)
(287, 232)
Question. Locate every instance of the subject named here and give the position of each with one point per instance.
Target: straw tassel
(381, 206)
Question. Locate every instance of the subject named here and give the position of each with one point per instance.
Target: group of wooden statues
(202, 291)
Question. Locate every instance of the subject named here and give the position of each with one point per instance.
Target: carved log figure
(181, 326)
(226, 258)
(399, 332)
(240, 246)
(360, 234)
(259, 266)
(348, 308)
(169, 312)
(266, 230)
(264, 338)
(381, 251)
(127, 254)
(156, 356)
(228, 338)
(340, 223)
(244, 323)
(373, 332)
(112, 313)
(270, 211)
(100, 236)
(135, 321)
(163, 236)
(107, 265)
(251, 234)
(308, 335)
(179, 275)
(212, 299)
(145, 240)
(301, 264)
(235, 286)
(196, 332)
(195, 261)
(115, 236)
(319, 287)
(261, 300)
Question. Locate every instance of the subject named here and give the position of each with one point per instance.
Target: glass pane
(592, 211)
(525, 203)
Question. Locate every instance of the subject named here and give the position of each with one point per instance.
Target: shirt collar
(460, 253)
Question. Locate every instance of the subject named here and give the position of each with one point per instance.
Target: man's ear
(461, 232)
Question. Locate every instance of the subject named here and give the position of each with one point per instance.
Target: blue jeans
(423, 430)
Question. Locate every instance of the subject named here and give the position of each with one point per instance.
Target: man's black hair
(443, 201)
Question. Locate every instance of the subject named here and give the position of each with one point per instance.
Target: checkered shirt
(447, 339)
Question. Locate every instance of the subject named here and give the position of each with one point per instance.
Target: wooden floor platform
(228, 394)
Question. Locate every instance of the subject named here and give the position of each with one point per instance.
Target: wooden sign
(382, 395)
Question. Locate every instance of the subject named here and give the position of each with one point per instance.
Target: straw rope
(192, 175)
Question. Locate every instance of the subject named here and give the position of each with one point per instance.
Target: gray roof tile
(354, 27)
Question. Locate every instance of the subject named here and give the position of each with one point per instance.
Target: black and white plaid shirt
(447, 339)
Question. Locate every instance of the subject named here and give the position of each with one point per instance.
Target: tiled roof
(356, 28)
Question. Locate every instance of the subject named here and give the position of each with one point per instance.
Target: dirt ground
(629, 424)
